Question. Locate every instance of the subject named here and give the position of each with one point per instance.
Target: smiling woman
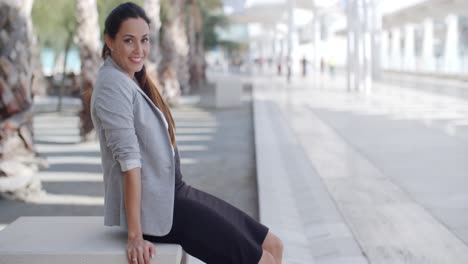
(144, 189)
(130, 45)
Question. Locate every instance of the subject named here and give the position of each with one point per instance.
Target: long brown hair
(111, 27)
(150, 88)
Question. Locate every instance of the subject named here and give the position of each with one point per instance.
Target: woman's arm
(137, 248)
(114, 108)
(132, 193)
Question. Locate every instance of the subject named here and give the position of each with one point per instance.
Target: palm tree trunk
(153, 8)
(19, 161)
(87, 32)
(196, 52)
(175, 49)
(68, 44)
(183, 73)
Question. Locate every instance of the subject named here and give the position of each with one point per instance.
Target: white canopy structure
(387, 33)
(273, 23)
(419, 10)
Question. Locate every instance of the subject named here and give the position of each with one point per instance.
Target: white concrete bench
(221, 91)
(50, 240)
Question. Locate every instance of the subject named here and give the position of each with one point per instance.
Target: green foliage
(212, 18)
(54, 21)
(232, 46)
(164, 11)
(211, 4)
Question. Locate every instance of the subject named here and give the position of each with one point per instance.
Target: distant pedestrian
(288, 68)
(322, 65)
(331, 67)
(144, 189)
(304, 66)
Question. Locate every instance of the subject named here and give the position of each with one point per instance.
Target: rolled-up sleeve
(114, 109)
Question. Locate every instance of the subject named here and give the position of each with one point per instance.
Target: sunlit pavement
(393, 160)
(217, 156)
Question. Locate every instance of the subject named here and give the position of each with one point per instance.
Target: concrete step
(72, 240)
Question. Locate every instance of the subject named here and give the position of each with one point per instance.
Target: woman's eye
(145, 40)
(128, 40)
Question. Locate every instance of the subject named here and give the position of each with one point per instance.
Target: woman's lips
(136, 60)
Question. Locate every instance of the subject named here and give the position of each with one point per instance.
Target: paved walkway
(388, 169)
(393, 161)
(455, 88)
(216, 147)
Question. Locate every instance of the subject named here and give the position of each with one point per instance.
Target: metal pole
(357, 46)
(367, 46)
(290, 38)
(377, 40)
(350, 48)
(317, 38)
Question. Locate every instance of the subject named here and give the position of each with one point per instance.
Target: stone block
(221, 91)
(71, 240)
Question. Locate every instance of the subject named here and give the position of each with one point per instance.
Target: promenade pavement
(216, 147)
(388, 168)
(393, 161)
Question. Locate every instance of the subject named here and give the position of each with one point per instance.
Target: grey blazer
(132, 133)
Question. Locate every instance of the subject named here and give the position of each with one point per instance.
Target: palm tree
(87, 33)
(19, 161)
(183, 71)
(195, 40)
(152, 8)
(174, 49)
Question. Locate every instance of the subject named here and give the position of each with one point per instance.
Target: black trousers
(211, 229)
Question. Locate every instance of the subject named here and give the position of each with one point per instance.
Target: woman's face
(130, 46)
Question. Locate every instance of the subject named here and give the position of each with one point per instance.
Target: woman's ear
(109, 42)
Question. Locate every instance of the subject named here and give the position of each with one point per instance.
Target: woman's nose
(138, 48)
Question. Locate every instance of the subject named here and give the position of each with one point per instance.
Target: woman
(144, 190)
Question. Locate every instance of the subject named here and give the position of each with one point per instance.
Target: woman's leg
(267, 258)
(204, 233)
(274, 246)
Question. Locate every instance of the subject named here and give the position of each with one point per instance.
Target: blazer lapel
(156, 109)
(109, 61)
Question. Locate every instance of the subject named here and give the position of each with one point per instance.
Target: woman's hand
(139, 251)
